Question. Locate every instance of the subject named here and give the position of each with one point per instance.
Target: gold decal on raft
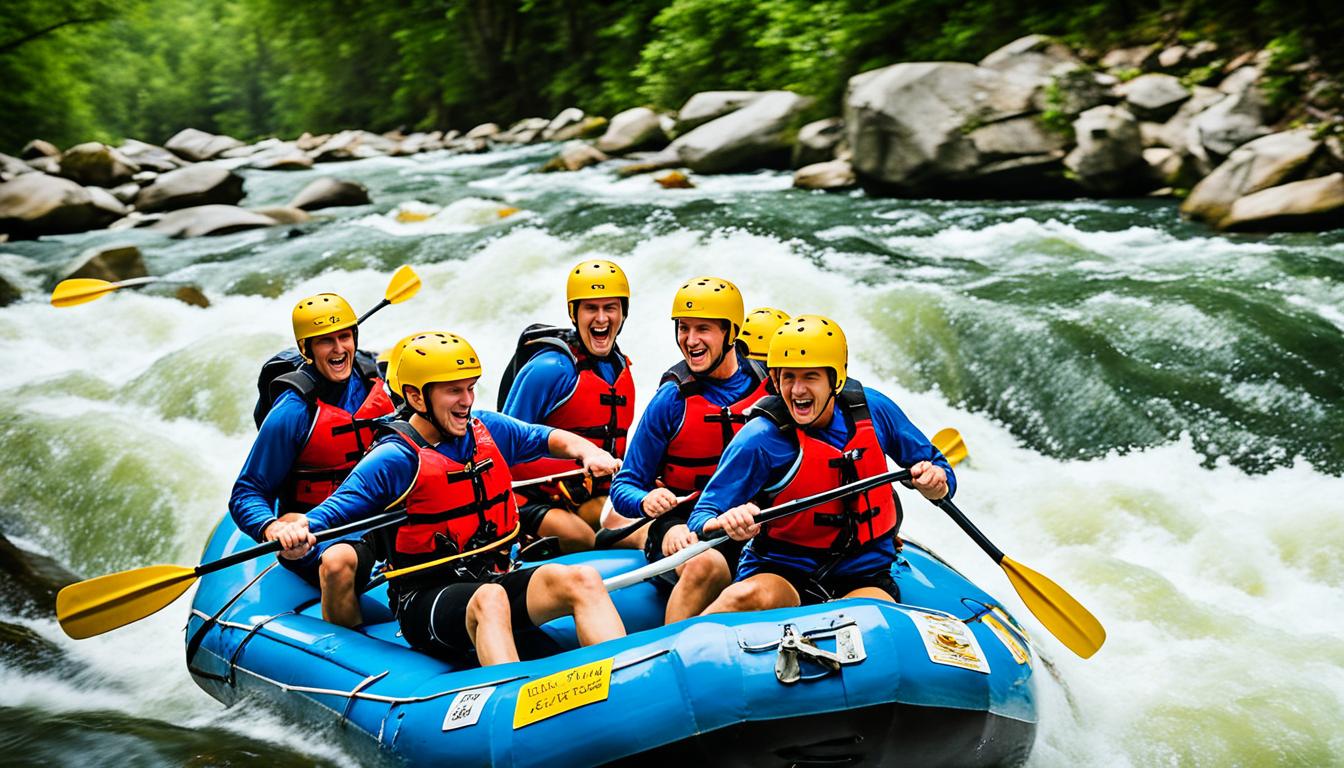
(1014, 647)
(558, 693)
(949, 641)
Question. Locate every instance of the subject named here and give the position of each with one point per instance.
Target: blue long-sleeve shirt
(760, 455)
(279, 442)
(385, 474)
(662, 419)
(545, 382)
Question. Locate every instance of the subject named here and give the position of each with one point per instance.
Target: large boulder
(1033, 56)
(354, 145)
(191, 144)
(1108, 156)
(1071, 91)
(1312, 204)
(150, 157)
(39, 148)
(107, 202)
(564, 126)
(710, 105)
(525, 131)
(483, 131)
(95, 164)
(36, 204)
(204, 220)
(1260, 164)
(326, 192)
(110, 263)
(833, 174)
(759, 134)
(11, 167)
(284, 157)
(1154, 96)
(201, 184)
(574, 156)
(418, 142)
(909, 124)
(1234, 120)
(1177, 133)
(1017, 136)
(284, 214)
(819, 141)
(30, 584)
(630, 130)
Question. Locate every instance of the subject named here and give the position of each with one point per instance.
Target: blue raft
(943, 678)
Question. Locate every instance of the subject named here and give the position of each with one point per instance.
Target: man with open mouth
(318, 426)
(820, 430)
(578, 380)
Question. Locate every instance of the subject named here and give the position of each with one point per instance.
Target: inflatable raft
(943, 678)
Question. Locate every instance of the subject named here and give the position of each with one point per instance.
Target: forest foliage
(80, 70)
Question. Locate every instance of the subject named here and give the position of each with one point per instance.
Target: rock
(191, 144)
(288, 159)
(150, 157)
(284, 214)
(24, 650)
(1154, 97)
(106, 201)
(134, 220)
(354, 145)
(590, 127)
(631, 130)
(48, 165)
(1240, 80)
(251, 150)
(710, 105)
(98, 165)
(39, 148)
(818, 141)
(1171, 168)
(674, 180)
(1312, 204)
(11, 167)
(1033, 56)
(110, 263)
(1201, 53)
(1138, 57)
(759, 134)
(145, 177)
(563, 124)
(450, 136)
(191, 294)
(30, 581)
(201, 184)
(832, 174)
(420, 142)
(1260, 164)
(308, 142)
(1176, 132)
(1173, 57)
(656, 161)
(326, 192)
(36, 204)
(1108, 156)
(1017, 136)
(525, 131)
(483, 131)
(126, 193)
(1233, 121)
(9, 292)
(470, 146)
(1070, 91)
(908, 124)
(204, 220)
(573, 156)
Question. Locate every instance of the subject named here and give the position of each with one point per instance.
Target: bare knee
(708, 569)
(580, 583)
(489, 602)
(337, 567)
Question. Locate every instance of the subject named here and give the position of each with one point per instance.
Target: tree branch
(6, 47)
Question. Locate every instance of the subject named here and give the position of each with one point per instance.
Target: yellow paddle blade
(68, 293)
(950, 443)
(405, 284)
(104, 603)
(1065, 617)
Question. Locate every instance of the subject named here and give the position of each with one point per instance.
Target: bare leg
(755, 593)
(573, 532)
(336, 572)
(699, 581)
(490, 627)
(591, 511)
(562, 590)
(873, 592)
(633, 541)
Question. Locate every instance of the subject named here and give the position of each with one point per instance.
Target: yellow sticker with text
(562, 691)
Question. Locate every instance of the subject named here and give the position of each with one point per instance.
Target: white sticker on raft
(466, 708)
(949, 641)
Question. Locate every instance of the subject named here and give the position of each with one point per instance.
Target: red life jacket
(594, 409)
(337, 439)
(693, 452)
(453, 507)
(842, 525)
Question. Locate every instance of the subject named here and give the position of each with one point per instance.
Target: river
(1155, 417)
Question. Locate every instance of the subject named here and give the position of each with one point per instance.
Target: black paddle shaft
(376, 521)
(960, 519)
(369, 314)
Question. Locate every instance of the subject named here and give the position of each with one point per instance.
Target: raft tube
(942, 678)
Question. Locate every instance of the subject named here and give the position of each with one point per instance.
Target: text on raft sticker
(565, 690)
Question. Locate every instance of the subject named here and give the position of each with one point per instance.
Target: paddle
(607, 537)
(80, 290)
(404, 284)
(548, 478)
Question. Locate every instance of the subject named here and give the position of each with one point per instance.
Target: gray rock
(204, 220)
(195, 185)
(468, 146)
(1173, 57)
(293, 159)
(145, 177)
(135, 220)
(1016, 136)
(761, 133)
(11, 167)
(95, 164)
(108, 202)
(191, 294)
(1201, 53)
(1154, 96)
(308, 142)
(420, 142)
(833, 174)
(574, 156)
(1176, 131)
(9, 291)
(630, 130)
(1241, 79)
(1312, 204)
(1108, 156)
(126, 193)
(1170, 168)
(284, 214)
(818, 141)
(110, 263)
(563, 124)
(250, 150)
(1033, 56)
(36, 204)
(194, 145)
(354, 145)
(710, 105)
(30, 582)
(39, 148)
(1071, 91)
(48, 165)
(1260, 164)
(483, 131)
(326, 192)
(150, 157)
(1138, 57)
(1233, 121)
(525, 131)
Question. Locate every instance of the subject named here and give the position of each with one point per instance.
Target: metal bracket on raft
(794, 648)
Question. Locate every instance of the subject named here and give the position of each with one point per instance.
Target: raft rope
(194, 644)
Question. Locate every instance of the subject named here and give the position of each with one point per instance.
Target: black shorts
(812, 591)
(653, 546)
(531, 514)
(307, 567)
(434, 620)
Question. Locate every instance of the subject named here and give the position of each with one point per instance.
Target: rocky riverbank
(1034, 119)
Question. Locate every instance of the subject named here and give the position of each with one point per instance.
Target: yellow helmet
(596, 279)
(811, 341)
(318, 315)
(391, 356)
(433, 357)
(759, 328)
(710, 297)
